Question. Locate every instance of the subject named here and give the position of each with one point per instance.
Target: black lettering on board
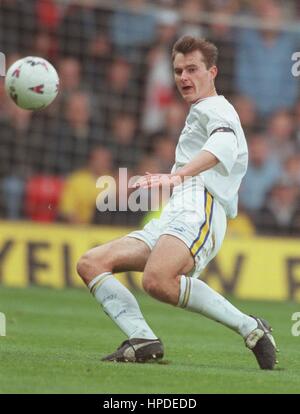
(293, 276)
(4, 250)
(34, 264)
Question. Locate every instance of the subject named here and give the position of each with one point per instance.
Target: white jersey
(213, 125)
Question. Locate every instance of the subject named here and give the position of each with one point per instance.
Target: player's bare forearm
(202, 162)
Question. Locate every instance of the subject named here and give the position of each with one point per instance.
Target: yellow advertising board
(46, 255)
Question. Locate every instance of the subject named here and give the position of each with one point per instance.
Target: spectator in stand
(297, 125)
(45, 42)
(280, 131)
(147, 163)
(263, 171)
(292, 169)
(175, 117)
(225, 6)
(190, 11)
(170, 4)
(17, 26)
(45, 45)
(280, 214)
(70, 81)
(223, 36)
(65, 146)
(263, 61)
(164, 152)
(133, 28)
(246, 110)
(41, 198)
(159, 83)
(78, 198)
(297, 9)
(100, 51)
(120, 92)
(14, 160)
(98, 61)
(69, 70)
(77, 28)
(47, 14)
(123, 141)
(174, 120)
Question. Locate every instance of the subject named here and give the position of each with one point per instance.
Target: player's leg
(172, 257)
(96, 268)
(169, 258)
(118, 255)
(203, 299)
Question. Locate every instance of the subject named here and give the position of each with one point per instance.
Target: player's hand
(157, 180)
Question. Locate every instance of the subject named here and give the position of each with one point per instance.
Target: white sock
(197, 296)
(120, 305)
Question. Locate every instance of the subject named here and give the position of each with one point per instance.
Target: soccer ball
(32, 82)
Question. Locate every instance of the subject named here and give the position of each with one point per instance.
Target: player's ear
(213, 72)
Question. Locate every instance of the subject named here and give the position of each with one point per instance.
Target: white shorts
(194, 216)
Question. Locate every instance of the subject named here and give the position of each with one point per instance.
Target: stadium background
(117, 93)
(117, 107)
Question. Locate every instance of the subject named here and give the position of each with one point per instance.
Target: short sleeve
(222, 141)
(224, 147)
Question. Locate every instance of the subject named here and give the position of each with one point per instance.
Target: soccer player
(172, 251)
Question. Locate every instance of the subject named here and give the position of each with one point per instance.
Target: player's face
(193, 80)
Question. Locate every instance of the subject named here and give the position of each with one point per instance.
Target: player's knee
(83, 266)
(89, 266)
(151, 284)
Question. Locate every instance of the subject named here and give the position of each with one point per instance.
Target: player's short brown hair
(188, 44)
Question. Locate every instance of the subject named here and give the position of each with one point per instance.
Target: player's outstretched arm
(202, 162)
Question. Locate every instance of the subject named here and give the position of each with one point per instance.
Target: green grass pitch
(55, 339)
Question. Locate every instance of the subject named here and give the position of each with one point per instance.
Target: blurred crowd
(118, 107)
